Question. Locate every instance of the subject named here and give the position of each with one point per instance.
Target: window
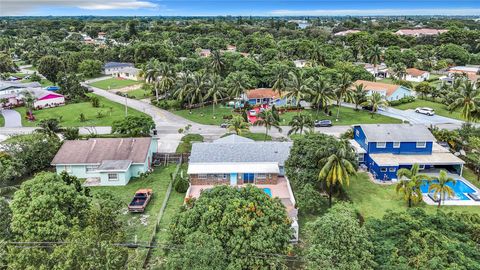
(396, 144)
(391, 169)
(360, 157)
(90, 168)
(421, 167)
(67, 168)
(112, 177)
(381, 144)
(261, 176)
(202, 176)
(224, 176)
(421, 144)
(383, 169)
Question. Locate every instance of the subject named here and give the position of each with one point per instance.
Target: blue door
(248, 178)
(233, 179)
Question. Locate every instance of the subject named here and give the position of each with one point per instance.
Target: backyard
(185, 145)
(113, 83)
(440, 109)
(69, 114)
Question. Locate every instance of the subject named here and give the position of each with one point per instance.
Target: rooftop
(415, 72)
(114, 165)
(436, 158)
(234, 167)
(420, 32)
(117, 65)
(233, 138)
(389, 89)
(397, 133)
(6, 85)
(262, 93)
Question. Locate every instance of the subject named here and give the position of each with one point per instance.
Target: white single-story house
(129, 73)
(389, 91)
(13, 94)
(106, 161)
(417, 75)
(378, 71)
(111, 67)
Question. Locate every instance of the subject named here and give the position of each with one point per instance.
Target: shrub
(168, 104)
(403, 100)
(71, 133)
(181, 185)
(82, 117)
(100, 114)
(95, 101)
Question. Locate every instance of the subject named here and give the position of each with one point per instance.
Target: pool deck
(447, 202)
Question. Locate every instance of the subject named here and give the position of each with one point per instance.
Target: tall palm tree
(268, 119)
(409, 184)
(399, 71)
(317, 56)
(29, 101)
(440, 187)
(183, 86)
(359, 95)
(217, 62)
(343, 91)
(152, 74)
(300, 122)
(375, 101)
(237, 85)
(281, 79)
(197, 88)
(216, 90)
(166, 79)
(238, 125)
(375, 57)
(49, 127)
(298, 86)
(468, 98)
(336, 171)
(321, 93)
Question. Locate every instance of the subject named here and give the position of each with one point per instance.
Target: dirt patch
(128, 88)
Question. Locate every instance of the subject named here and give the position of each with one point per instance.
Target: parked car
(140, 200)
(252, 112)
(52, 88)
(426, 111)
(224, 125)
(323, 123)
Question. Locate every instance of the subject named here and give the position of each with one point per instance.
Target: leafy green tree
(457, 53)
(375, 101)
(71, 88)
(71, 133)
(338, 241)
(50, 66)
(90, 68)
(238, 125)
(217, 62)
(7, 64)
(441, 188)
(297, 87)
(300, 122)
(29, 101)
(321, 93)
(409, 184)
(133, 125)
(268, 119)
(467, 97)
(5, 220)
(423, 89)
(375, 56)
(49, 127)
(241, 223)
(237, 83)
(359, 95)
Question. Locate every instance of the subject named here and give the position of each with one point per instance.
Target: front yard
(113, 83)
(440, 109)
(204, 115)
(69, 114)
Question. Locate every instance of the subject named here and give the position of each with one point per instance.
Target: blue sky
(237, 7)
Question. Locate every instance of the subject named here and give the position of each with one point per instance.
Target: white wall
(53, 102)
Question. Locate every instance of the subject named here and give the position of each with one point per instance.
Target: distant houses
(122, 70)
(264, 96)
(106, 161)
(13, 94)
(391, 92)
(420, 32)
(300, 63)
(344, 33)
(469, 72)
(111, 67)
(378, 71)
(416, 75)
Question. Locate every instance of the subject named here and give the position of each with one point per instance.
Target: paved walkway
(12, 118)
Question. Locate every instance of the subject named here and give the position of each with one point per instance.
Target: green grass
(113, 83)
(157, 181)
(348, 116)
(139, 93)
(256, 136)
(440, 109)
(185, 145)
(204, 115)
(69, 114)
(373, 200)
(43, 82)
(2, 120)
(471, 176)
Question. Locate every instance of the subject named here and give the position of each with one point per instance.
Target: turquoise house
(106, 161)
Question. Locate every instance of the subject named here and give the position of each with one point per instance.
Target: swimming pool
(460, 188)
(268, 191)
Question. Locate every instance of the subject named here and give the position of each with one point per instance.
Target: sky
(237, 7)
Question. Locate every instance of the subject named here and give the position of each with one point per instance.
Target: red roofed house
(261, 96)
(417, 75)
(389, 91)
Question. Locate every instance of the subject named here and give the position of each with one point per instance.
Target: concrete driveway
(417, 118)
(12, 118)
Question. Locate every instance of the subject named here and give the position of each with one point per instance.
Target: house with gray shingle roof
(106, 161)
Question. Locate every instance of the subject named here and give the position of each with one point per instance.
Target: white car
(426, 111)
(252, 113)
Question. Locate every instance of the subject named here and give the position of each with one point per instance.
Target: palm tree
(29, 101)
(317, 56)
(409, 184)
(238, 125)
(321, 93)
(468, 98)
(299, 122)
(268, 119)
(237, 84)
(217, 62)
(399, 70)
(297, 86)
(343, 91)
(281, 79)
(183, 86)
(196, 88)
(217, 90)
(359, 95)
(166, 79)
(440, 187)
(375, 101)
(375, 57)
(337, 170)
(49, 127)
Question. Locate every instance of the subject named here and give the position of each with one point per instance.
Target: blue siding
(400, 93)
(359, 136)
(406, 148)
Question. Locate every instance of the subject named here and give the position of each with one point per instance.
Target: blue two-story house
(385, 148)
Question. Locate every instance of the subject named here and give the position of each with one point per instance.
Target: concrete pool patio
(454, 202)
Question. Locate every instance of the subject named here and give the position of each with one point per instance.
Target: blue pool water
(460, 189)
(268, 191)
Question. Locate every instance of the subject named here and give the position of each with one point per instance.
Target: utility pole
(126, 108)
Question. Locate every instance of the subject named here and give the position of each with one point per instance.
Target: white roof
(464, 69)
(397, 133)
(436, 158)
(358, 149)
(257, 167)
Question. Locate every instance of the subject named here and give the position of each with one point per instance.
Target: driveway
(417, 118)
(12, 118)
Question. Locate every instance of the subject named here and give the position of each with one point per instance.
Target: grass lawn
(2, 120)
(470, 176)
(348, 116)
(113, 83)
(139, 94)
(440, 109)
(256, 136)
(185, 145)
(373, 200)
(204, 115)
(69, 114)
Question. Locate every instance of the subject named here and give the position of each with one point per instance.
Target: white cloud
(21, 7)
(373, 12)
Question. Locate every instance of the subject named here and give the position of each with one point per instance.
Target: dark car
(323, 123)
(224, 125)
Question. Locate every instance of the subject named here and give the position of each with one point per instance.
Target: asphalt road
(12, 118)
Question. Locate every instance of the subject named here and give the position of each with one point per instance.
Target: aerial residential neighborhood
(239, 135)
